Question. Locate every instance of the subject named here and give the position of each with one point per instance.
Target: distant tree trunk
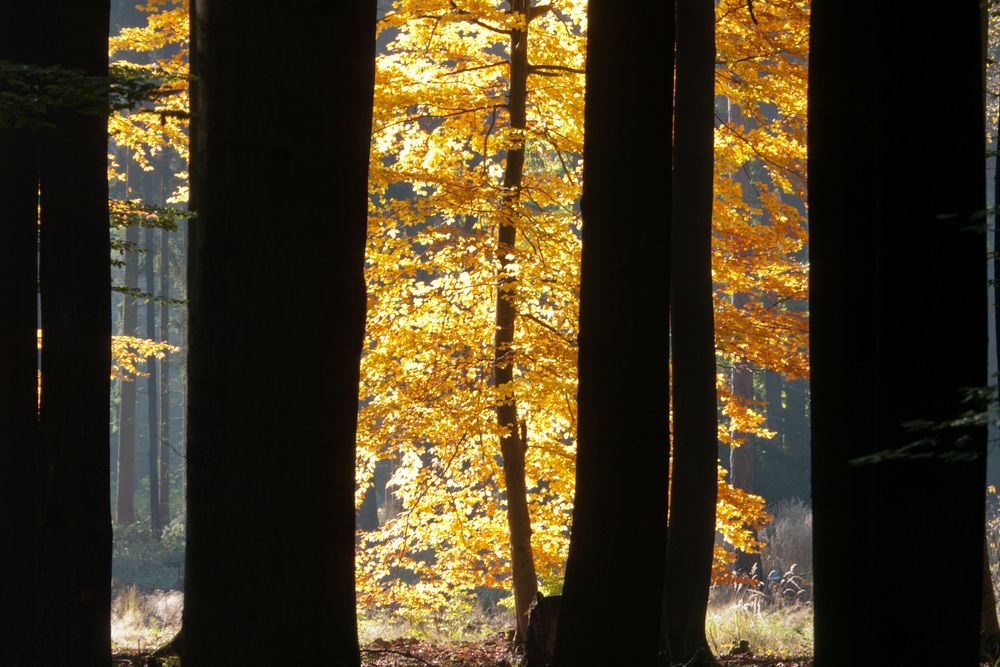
(512, 445)
(125, 501)
(989, 625)
(18, 354)
(741, 457)
(620, 508)
(695, 460)
(368, 511)
(775, 410)
(272, 449)
(152, 386)
(164, 380)
(185, 384)
(74, 595)
(880, 476)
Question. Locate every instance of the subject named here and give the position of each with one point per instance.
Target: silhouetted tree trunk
(125, 501)
(271, 452)
(882, 474)
(152, 385)
(512, 445)
(18, 356)
(695, 454)
(164, 380)
(620, 508)
(74, 587)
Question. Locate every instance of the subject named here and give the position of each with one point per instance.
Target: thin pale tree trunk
(152, 387)
(165, 444)
(125, 499)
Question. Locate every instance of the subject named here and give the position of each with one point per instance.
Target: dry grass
(787, 631)
(474, 625)
(144, 621)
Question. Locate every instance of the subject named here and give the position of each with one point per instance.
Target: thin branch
(487, 26)
(450, 114)
(566, 339)
(472, 69)
(543, 70)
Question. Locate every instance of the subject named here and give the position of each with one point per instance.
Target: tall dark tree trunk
(513, 444)
(695, 459)
(164, 438)
(620, 508)
(258, 165)
(152, 387)
(74, 589)
(125, 500)
(896, 277)
(18, 354)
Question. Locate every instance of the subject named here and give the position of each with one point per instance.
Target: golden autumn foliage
(440, 137)
(129, 353)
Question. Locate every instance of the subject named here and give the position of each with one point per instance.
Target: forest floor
(493, 652)
(782, 638)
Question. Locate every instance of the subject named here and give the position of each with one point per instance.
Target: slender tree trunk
(152, 386)
(513, 444)
(620, 507)
(775, 410)
(989, 625)
(164, 439)
(267, 420)
(74, 595)
(741, 457)
(125, 501)
(18, 354)
(695, 460)
(879, 476)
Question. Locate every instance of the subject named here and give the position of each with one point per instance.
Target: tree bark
(989, 625)
(896, 285)
(258, 165)
(164, 381)
(18, 353)
(512, 445)
(695, 447)
(125, 499)
(620, 507)
(741, 457)
(152, 385)
(74, 593)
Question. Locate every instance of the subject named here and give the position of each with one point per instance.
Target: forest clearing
(498, 332)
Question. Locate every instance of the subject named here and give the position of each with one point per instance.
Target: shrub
(141, 560)
(788, 539)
